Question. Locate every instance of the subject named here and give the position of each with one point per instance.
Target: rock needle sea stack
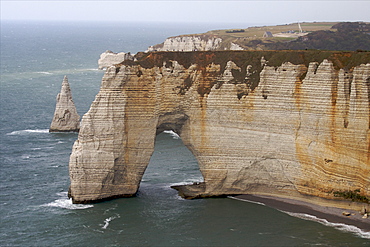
(65, 118)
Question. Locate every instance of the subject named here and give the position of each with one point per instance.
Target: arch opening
(171, 122)
(171, 163)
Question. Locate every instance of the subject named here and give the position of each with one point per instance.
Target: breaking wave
(339, 226)
(66, 203)
(24, 132)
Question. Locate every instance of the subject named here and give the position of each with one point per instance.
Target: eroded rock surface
(271, 122)
(66, 118)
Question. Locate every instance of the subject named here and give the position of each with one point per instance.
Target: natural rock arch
(257, 122)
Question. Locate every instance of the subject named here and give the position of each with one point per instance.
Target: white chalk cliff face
(195, 43)
(235, 47)
(257, 122)
(66, 118)
(109, 58)
(188, 43)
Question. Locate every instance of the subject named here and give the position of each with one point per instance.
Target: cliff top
(348, 36)
(340, 60)
(259, 31)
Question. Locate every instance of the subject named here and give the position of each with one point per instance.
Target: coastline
(331, 214)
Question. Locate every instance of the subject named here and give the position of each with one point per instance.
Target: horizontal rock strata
(287, 123)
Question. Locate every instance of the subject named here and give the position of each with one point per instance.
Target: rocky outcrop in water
(66, 118)
(288, 123)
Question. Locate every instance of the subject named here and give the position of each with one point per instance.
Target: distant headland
(343, 36)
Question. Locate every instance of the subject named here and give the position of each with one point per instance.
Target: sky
(266, 12)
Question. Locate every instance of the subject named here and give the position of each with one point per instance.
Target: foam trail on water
(107, 220)
(44, 72)
(339, 226)
(28, 131)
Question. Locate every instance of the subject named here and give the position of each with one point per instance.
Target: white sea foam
(25, 156)
(44, 72)
(173, 134)
(339, 226)
(107, 220)
(28, 131)
(66, 203)
(189, 181)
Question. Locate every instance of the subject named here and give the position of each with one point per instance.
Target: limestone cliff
(66, 118)
(109, 58)
(189, 43)
(274, 122)
(195, 43)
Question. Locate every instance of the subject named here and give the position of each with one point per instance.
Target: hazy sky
(267, 12)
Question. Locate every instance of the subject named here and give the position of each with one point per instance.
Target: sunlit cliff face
(275, 122)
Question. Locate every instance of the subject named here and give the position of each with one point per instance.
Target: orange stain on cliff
(297, 94)
(207, 80)
(298, 85)
(368, 147)
(333, 108)
(203, 113)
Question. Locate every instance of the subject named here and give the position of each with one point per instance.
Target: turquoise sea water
(34, 207)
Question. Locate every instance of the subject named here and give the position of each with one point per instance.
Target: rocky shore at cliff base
(321, 210)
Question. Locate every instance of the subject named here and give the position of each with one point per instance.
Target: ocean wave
(28, 131)
(66, 203)
(339, 226)
(173, 134)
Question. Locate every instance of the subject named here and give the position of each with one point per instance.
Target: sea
(34, 207)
